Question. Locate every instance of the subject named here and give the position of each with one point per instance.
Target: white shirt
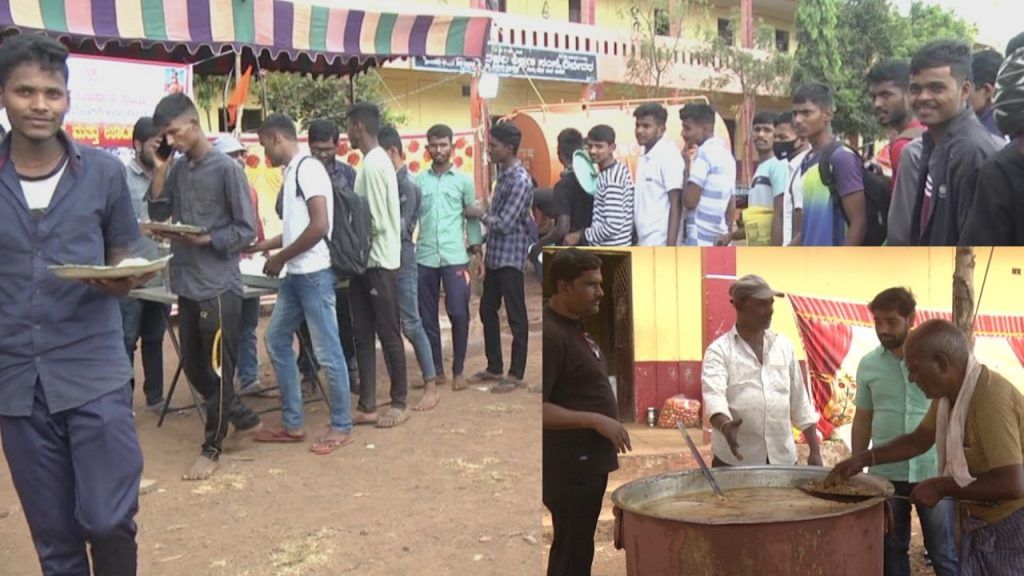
(714, 170)
(770, 398)
(39, 193)
(658, 170)
(794, 198)
(315, 182)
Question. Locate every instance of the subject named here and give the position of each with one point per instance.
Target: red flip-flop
(279, 436)
(324, 446)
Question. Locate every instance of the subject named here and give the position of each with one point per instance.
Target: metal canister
(652, 416)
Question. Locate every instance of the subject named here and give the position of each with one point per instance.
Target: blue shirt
(61, 333)
(508, 222)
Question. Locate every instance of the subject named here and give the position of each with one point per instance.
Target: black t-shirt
(552, 203)
(575, 378)
(581, 204)
(997, 215)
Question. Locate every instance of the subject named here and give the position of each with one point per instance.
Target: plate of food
(127, 268)
(176, 228)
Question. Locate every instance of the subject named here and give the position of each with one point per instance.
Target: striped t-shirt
(612, 223)
(714, 170)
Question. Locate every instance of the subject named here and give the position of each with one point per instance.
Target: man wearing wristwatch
(752, 387)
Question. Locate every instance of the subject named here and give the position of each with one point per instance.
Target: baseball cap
(753, 286)
(228, 145)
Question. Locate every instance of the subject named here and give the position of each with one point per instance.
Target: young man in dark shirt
(581, 204)
(984, 68)
(65, 401)
(997, 216)
(955, 145)
(582, 434)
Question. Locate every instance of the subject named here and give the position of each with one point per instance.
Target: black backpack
(352, 230)
(877, 196)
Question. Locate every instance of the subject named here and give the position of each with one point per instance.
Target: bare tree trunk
(963, 293)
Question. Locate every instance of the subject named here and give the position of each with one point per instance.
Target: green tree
(927, 22)
(817, 52)
(305, 98)
(209, 95)
(657, 34)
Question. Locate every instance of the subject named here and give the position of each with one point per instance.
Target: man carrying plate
(65, 401)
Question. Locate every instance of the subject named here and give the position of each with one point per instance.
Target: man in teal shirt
(442, 253)
(888, 405)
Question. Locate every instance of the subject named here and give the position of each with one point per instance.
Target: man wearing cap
(752, 387)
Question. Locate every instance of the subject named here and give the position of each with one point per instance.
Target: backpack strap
(828, 176)
(298, 186)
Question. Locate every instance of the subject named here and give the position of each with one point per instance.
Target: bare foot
(364, 418)
(202, 469)
(430, 399)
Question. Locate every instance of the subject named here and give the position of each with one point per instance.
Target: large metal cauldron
(844, 543)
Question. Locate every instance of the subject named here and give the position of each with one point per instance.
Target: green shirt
(897, 408)
(378, 183)
(444, 231)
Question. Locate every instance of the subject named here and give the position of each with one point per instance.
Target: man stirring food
(976, 421)
(752, 386)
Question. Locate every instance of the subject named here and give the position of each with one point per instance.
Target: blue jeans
(412, 326)
(308, 297)
(247, 371)
(937, 527)
(147, 321)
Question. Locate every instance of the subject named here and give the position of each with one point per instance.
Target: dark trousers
(77, 475)
(456, 302)
(505, 284)
(575, 506)
(198, 326)
(374, 300)
(146, 321)
(309, 365)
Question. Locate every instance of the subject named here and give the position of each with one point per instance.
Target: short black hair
(323, 130)
(569, 264)
(569, 141)
(47, 53)
(784, 118)
(440, 131)
(171, 107)
(602, 133)
(765, 117)
(895, 70)
(507, 134)
(942, 53)
(816, 93)
(899, 300)
(697, 112)
(1015, 43)
(652, 109)
(278, 123)
(985, 66)
(366, 114)
(389, 138)
(144, 129)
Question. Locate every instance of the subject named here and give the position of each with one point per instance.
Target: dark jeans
(937, 526)
(198, 326)
(505, 285)
(374, 299)
(456, 302)
(146, 321)
(77, 475)
(575, 507)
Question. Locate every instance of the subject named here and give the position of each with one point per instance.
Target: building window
(497, 5)
(725, 31)
(782, 40)
(576, 11)
(661, 23)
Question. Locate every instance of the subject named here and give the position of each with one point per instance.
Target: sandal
(485, 376)
(507, 385)
(392, 417)
(324, 445)
(279, 436)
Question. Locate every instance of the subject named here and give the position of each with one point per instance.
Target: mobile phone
(164, 150)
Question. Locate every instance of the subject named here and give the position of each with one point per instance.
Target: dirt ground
(452, 491)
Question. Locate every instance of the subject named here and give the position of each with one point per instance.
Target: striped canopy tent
(282, 35)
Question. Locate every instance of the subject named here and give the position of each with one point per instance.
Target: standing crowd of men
(352, 274)
(951, 173)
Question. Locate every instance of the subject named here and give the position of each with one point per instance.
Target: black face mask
(784, 150)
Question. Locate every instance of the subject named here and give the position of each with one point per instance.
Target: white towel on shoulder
(950, 427)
